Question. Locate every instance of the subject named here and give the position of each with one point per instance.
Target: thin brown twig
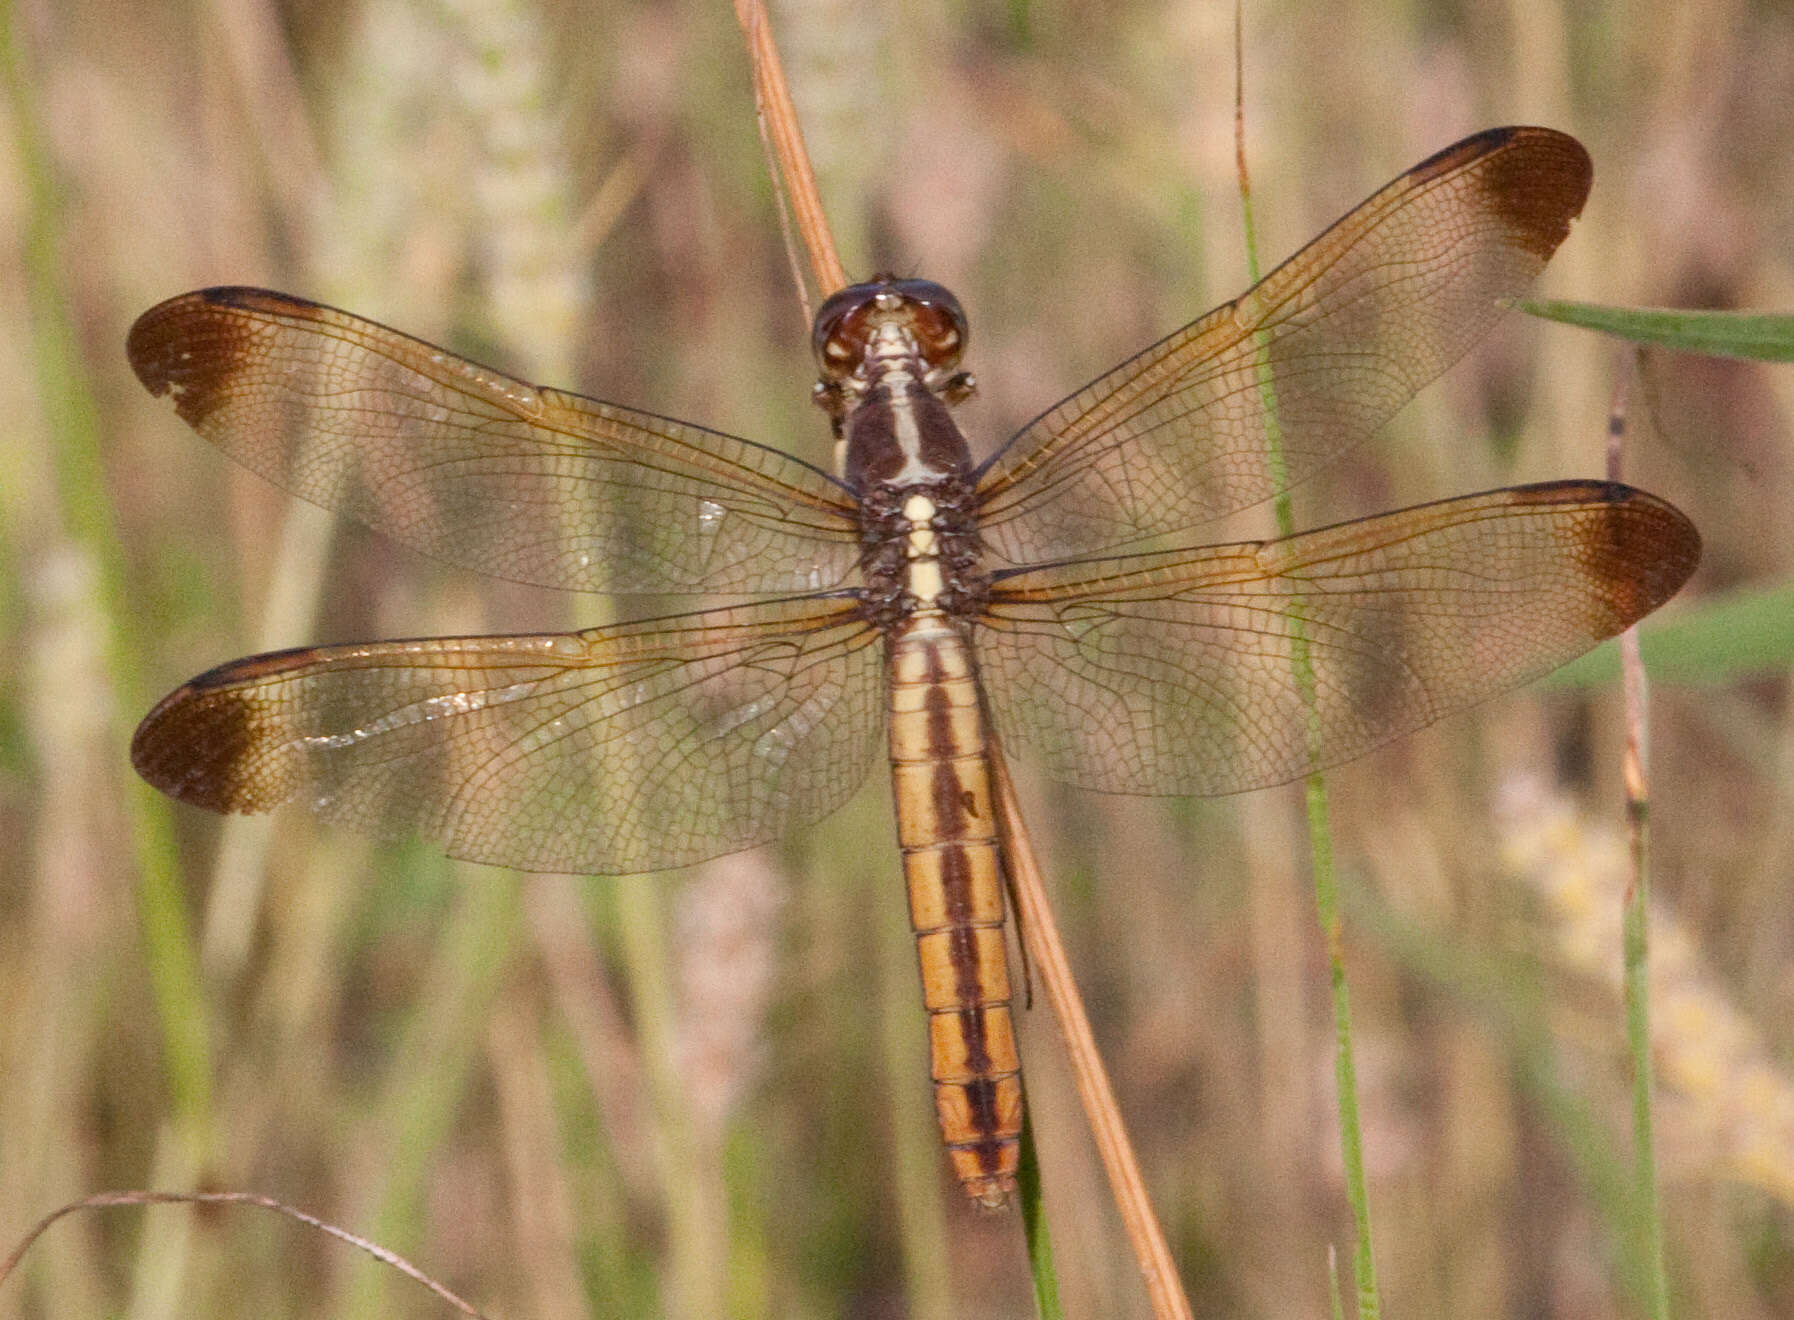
(1034, 919)
(778, 120)
(1636, 949)
(1632, 676)
(100, 1200)
(1239, 127)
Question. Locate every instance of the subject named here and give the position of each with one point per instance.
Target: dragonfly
(1056, 595)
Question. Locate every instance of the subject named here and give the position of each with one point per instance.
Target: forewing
(1333, 341)
(1237, 666)
(461, 462)
(617, 750)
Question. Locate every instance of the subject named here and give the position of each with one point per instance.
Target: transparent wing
(473, 467)
(617, 750)
(1340, 336)
(1232, 667)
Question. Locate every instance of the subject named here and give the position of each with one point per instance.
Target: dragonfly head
(865, 328)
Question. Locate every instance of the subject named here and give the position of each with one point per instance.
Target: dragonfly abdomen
(946, 829)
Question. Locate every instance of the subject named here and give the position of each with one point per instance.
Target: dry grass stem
(778, 119)
(1637, 926)
(102, 1200)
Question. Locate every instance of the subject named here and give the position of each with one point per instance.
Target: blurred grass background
(704, 1093)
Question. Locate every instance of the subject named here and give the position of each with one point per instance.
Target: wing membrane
(1184, 672)
(473, 467)
(1349, 328)
(617, 750)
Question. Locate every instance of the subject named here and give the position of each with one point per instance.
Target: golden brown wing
(1350, 327)
(473, 467)
(621, 749)
(1183, 671)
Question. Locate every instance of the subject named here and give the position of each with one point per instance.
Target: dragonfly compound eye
(937, 321)
(842, 328)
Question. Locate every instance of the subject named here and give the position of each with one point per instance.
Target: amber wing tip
(145, 347)
(1651, 549)
(196, 746)
(161, 343)
(1680, 542)
(1536, 179)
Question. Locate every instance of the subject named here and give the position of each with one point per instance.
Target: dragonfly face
(861, 327)
(1060, 590)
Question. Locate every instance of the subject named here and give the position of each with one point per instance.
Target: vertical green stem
(84, 509)
(1636, 938)
(1320, 838)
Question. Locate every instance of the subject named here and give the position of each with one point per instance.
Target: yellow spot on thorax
(925, 581)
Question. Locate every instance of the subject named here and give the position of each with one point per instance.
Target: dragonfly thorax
(889, 353)
(899, 433)
(920, 551)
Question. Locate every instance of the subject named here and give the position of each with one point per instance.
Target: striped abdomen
(947, 831)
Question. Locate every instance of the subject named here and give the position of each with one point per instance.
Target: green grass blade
(1034, 1226)
(1765, 337)
(1716, 642)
